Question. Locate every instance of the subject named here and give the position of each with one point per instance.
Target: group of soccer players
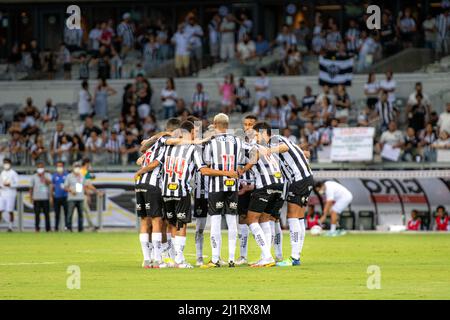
(249, 174)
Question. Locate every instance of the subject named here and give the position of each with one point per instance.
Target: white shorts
(227, 51)
(342, 204)
(7, 203)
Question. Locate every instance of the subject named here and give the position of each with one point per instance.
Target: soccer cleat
(231, 264)
(211, 265)
(241, 261)
(185, 265)
(147, 264)
(278, 259)
(222, 262)
(341, 232)
(264, 263)
(170, 262)
(160, 265)
(289, 262)
(199, 262)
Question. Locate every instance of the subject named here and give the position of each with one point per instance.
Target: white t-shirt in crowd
(84, 105)
(143, 110)
(335, 191)
(444, 121)
(227, 37)
(262, 82)
(372, 88)
(94, 36)
(412, 99)
(170, 96)
(181, 43)
(391, 138)
(245, 50)
(194, 33)
(388, 85)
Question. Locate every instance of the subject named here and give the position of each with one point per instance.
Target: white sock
(232, 235)
(157, 246)
(243, 237)
(278, 240)
(302, 234)
(10, 225)
(144, 239)
(258, 234)
(171, 247)
(272, 230)
(180, 243)
(164, 250)
(333, 228)
(294, 228)
(216, 237)
(200, 224)
(265, 226)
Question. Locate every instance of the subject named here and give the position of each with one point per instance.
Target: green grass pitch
(413, 266)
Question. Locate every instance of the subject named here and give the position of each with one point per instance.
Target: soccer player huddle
(248, 173)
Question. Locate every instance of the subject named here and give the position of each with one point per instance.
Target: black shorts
(371, 102)
(243, 203)
(148, 201)
(267, 200)
(299, 191)
(177, 210)
(201, 208)
(223, 203)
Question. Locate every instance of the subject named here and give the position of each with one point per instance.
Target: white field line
(27, 263)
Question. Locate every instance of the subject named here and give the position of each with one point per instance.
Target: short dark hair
(251, 117)
(187, 125)
(60, 162)
(262, 125)
(85, 160)
(192, 119)
(440, 207)
(7, 160)
(173, 124)
(318, 184)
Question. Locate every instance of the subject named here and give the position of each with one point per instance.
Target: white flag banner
(352, 144)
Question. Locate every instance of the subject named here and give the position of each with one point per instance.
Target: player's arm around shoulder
(155, 163)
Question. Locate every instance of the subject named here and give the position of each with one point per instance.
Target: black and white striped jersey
(294, 165)
(267, 169)
(179, 164)
(223, 152)
(248, 178)
(201, 186)
(152, 178)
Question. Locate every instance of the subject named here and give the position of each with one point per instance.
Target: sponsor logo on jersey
(277, 175)
(229, 182)
(172, 186)
(263, 200)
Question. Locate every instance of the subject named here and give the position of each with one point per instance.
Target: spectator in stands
(410, 151)
(113, 147)
(262, 46)
(227, 37)
(245, 26)
(308, 101)
(106, 36)
(286, 108)
(14, 61)
(116, 64)
(84, 101)
(443, 33)
(38, 150)
(65, 59)
(385, 111)
(429, 29)
(40, 195)
(246, 49)
(407, 27)
(64, 150)
(261, 108)
(392, 137)
(352, 37)
(60, 195)
(83, 67)
(78, 148)
(56, 140)
(342, 103)
(74, 185)
(333, 38)
(371, 91)
(444, 120)
(419, 90)
(88, 127)
(326, 93)
(130, 148)
(94, 147)
(418, 113)
(443, 143)
(132, 116)
(150, 126)
(26, 63)
(287, 133)
(181, 41)
(367, 51)
(103, 64)
(73, 38)
(169, 98)
(388, 34)
(294, 123)
(200, 100)
(151, 53)
(35, 53)
(226, 90)
(274, 113)
(162, 35)
(32, 115)
(292, 62)
(214, 32)
(389, 85)
(49, 114)
(286, 37)
(262, 85)
(94, 39)
(242, 95)
(101, 93)
(302, 36)
(195, 35)
(426, 139)
(319, 42)
(442, 221)
(415, 223)
(125, 33)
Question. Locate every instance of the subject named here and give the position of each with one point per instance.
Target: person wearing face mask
(338, 198)
(9, 180)
(59, 194)
(40, 191)
(74, 186)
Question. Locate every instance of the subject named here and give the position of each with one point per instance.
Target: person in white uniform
(338, 198)
(9, 180)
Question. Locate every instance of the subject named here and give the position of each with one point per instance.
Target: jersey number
(175, 166)
(228, 162)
